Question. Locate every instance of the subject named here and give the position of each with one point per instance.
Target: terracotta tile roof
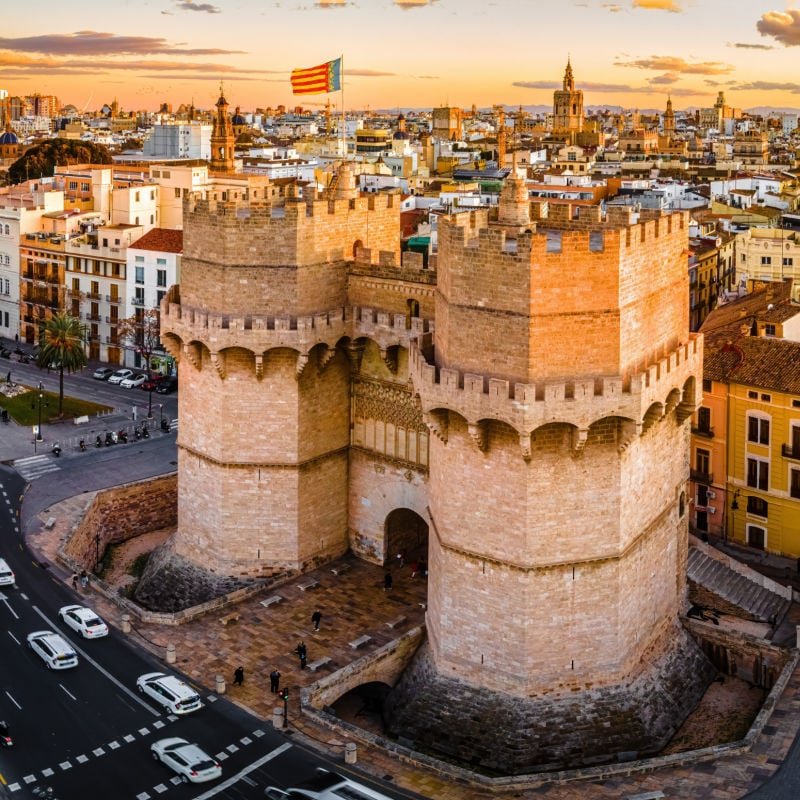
(165, 240)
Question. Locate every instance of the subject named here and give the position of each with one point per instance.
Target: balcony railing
(111, 299)
(787, 451)
(138, 301)
(94, 296)
(93, 317)
(707, 432)
(701, 477)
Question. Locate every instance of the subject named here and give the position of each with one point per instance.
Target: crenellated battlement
(579, 402)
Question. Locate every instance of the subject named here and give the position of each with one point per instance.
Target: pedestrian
(84, 579)
(301, 654)
(274, 681)
(75, 580)
(387, 582)
(238, 676)
(8, 378)
(414, 569)
(401, 558)
(316, 618)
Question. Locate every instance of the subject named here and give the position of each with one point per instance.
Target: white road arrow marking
(8, 605)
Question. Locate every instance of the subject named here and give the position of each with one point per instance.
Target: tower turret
(222, 138)
(568, 106)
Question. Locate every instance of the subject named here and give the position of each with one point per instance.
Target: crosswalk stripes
(34, 466)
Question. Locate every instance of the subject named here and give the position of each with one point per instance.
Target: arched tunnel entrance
(363, 706)
(406, 536)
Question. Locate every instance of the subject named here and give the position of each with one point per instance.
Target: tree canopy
(62, 347)
(41, 160)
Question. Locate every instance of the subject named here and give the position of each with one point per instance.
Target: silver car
(192, 764)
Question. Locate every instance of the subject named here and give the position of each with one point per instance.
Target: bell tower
(222, 138)
(669, 119)
(568, 106)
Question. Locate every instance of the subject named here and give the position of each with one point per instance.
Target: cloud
(612, 8)
(368, 73)
(658, 5)
(748, 46)
(612, 88)
(426, 77)
(667, 77)
(91, 43)
(192, 78)
(406, 4)
(784, 26)
(678, 65)
(188, 5)
(768, 86)
(331, 3)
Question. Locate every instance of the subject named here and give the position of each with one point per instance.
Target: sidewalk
(353, 604)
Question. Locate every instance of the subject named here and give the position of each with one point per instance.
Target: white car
(53, 649)
(133, 381)
(326, 785)
(120, 375)
(84, 621)
(175, 695)
(188, 760)
(6, 574)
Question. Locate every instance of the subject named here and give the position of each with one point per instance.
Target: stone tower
(222, 138)
(558, 386)
(669, 119)
(568, 106)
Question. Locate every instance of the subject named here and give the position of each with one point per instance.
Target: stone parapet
(527, 406)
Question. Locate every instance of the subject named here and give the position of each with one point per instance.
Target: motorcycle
(137, 433)
(123, 436)
(98, 442)
(82, 445)
(109, 440)
(56, 449)
(5, 735)
(145, 432)
(165, 425)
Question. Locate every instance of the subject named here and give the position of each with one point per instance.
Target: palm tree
(62, 344)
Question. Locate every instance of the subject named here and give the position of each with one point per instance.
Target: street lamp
(150, 403)
(161, 416)
(734, 507)
(38, 438)
(285, 698)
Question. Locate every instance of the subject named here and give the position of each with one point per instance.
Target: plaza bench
(320, 662)
(396, 622)
(49, 524)
(340, 569)
(230, 618)
(311, 583)
(360, 642)
(271, 601)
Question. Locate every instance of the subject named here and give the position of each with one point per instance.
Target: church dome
(8, 137)
(238, 119)
(400, 135)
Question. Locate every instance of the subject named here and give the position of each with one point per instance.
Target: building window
(766, 261)
(769, 330)
(767, 398)
(758, 474)
(85, 187)
(752, 395)
(161, 277)
(139, 259)
(162, 262)
(139, 274)
(794, 483)
(756, 537)
(177, 192)
(159, 297)
(706, 385)
(704, 418)
(757, 506)
(788, 262)
(139, 295)
(757, 430)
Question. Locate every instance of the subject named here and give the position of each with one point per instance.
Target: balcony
(698, 476)
(92, 317)
(792, 453)
(94, 296)
(704, 431)
(110, 298)
(138, 301)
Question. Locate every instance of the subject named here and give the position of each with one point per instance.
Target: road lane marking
(97, 666)
(65, 765)
(4, 599)
(14, 637)
(48, 772)
(143, 731)
(3, 780)
(221, 756)
(8, 695)
(221, 787)
(68, 692)
(142, 796)
(81, 759)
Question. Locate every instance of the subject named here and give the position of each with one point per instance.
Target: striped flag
(318, 80)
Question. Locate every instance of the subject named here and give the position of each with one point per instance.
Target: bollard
(277, 717)
(220, 681)
(171, 657)
(126, 623)
(350, 753)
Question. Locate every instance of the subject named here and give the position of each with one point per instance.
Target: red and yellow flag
(318, 80)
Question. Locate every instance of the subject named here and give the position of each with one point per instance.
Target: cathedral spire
(569, 81)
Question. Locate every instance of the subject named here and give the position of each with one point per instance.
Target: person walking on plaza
(316, 618)
(387, 582)
(274, 681)
(301, 654)
(238, 676)
(84, 579)
(75, 580)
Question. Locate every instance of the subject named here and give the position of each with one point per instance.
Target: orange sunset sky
(404, 53)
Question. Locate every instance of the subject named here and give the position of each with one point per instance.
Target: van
(175, 695)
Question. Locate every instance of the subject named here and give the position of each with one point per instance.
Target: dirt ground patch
(118, 574)
(724, 715)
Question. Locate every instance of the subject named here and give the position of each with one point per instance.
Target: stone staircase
(714, 584)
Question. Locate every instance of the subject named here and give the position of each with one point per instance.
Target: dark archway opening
(363, 706)
(406, 536)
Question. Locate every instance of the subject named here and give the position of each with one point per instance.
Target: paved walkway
(353, 604)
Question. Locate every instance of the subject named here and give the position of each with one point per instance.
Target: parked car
(169, 384)
(175, 695)
(132, 381)
(52, 649)
(120, 375)
(6, 574)
(103, 373)
(188, 760)
(84, 621)
(151, 383)
(326, 785)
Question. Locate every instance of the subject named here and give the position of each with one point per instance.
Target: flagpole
(344, 121)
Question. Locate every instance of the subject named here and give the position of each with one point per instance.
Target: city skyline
(405, 53)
